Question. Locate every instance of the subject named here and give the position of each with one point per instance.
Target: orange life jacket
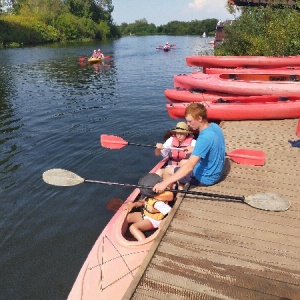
(177, 155)
(151, 211)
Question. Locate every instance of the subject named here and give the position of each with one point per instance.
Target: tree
(263, 31)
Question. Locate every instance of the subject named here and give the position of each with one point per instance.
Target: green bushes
(28, 30)
(25, 30)
(263, 31)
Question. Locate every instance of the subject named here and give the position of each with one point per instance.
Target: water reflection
(53, 108)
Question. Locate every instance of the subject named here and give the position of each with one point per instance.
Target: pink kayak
(219, 83)
(242, 111)
(114, 259)
(177, 95)
(210, 61)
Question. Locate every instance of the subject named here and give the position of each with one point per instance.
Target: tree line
(195, 27)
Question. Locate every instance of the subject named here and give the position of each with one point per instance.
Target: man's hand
(160, 187)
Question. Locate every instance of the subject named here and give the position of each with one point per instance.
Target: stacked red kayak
(239, 88)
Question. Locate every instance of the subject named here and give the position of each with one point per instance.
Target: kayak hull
(210, 61)
(175, 95)
(289, 70)
(213, 82)
(114, 260)
(235, 111)
(95, 60)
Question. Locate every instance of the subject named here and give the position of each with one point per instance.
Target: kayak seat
(221, 100)
(233, 77)
(283, 99)
(293, 78)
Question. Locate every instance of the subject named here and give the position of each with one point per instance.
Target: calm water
(52, 112)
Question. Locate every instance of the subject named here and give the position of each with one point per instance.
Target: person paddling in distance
(154, 208)
(167, 46)
(183, 139)
(95, 55)
(206, 163)
(100, 54)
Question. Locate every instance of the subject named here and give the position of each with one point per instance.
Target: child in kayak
(100, 54)
(154, 208)
(183, 139)
(94, 55)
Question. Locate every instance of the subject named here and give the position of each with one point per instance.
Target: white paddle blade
(268, 201)
(61, 177)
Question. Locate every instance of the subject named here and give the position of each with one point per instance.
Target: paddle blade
(112, 141)
(248, 157)
(61, 177)
(298, 128)
(268, 201)
(108, 57)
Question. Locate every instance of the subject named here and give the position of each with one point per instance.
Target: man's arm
(181, 172)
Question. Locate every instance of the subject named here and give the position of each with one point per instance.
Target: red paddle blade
(112, 141)
(298, 128)
(108, 57)
(248, 157)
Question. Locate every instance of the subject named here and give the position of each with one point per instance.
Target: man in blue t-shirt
(206, 163)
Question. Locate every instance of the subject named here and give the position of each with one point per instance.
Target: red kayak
(223, 84)
(175, 95)
(242, 111)
(210, 61)
(234, 71)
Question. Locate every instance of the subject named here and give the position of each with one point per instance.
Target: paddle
(265, 201)
(241, 156)
(84, 58)
(298, 128)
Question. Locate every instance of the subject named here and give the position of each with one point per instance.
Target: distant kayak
(93, 60)
(166, 48)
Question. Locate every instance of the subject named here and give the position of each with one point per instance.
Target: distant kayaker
(182, 138)
(100, 54)
(154, 206)
(167, 45)
(206, 163)
(94, 55)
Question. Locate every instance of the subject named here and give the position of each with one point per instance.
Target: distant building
(220, 32)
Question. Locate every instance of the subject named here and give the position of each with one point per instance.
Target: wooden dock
(218, 249)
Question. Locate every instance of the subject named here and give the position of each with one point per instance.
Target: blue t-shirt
(210, 147)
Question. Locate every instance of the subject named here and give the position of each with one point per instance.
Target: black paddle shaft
(150, 146)
(239, 198)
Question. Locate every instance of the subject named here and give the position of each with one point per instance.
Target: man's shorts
(189, 178)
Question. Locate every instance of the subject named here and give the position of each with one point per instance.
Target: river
(53, 109)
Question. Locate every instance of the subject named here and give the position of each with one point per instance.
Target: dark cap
(149, 180)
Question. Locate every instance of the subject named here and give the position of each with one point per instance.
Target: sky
(160, 12)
